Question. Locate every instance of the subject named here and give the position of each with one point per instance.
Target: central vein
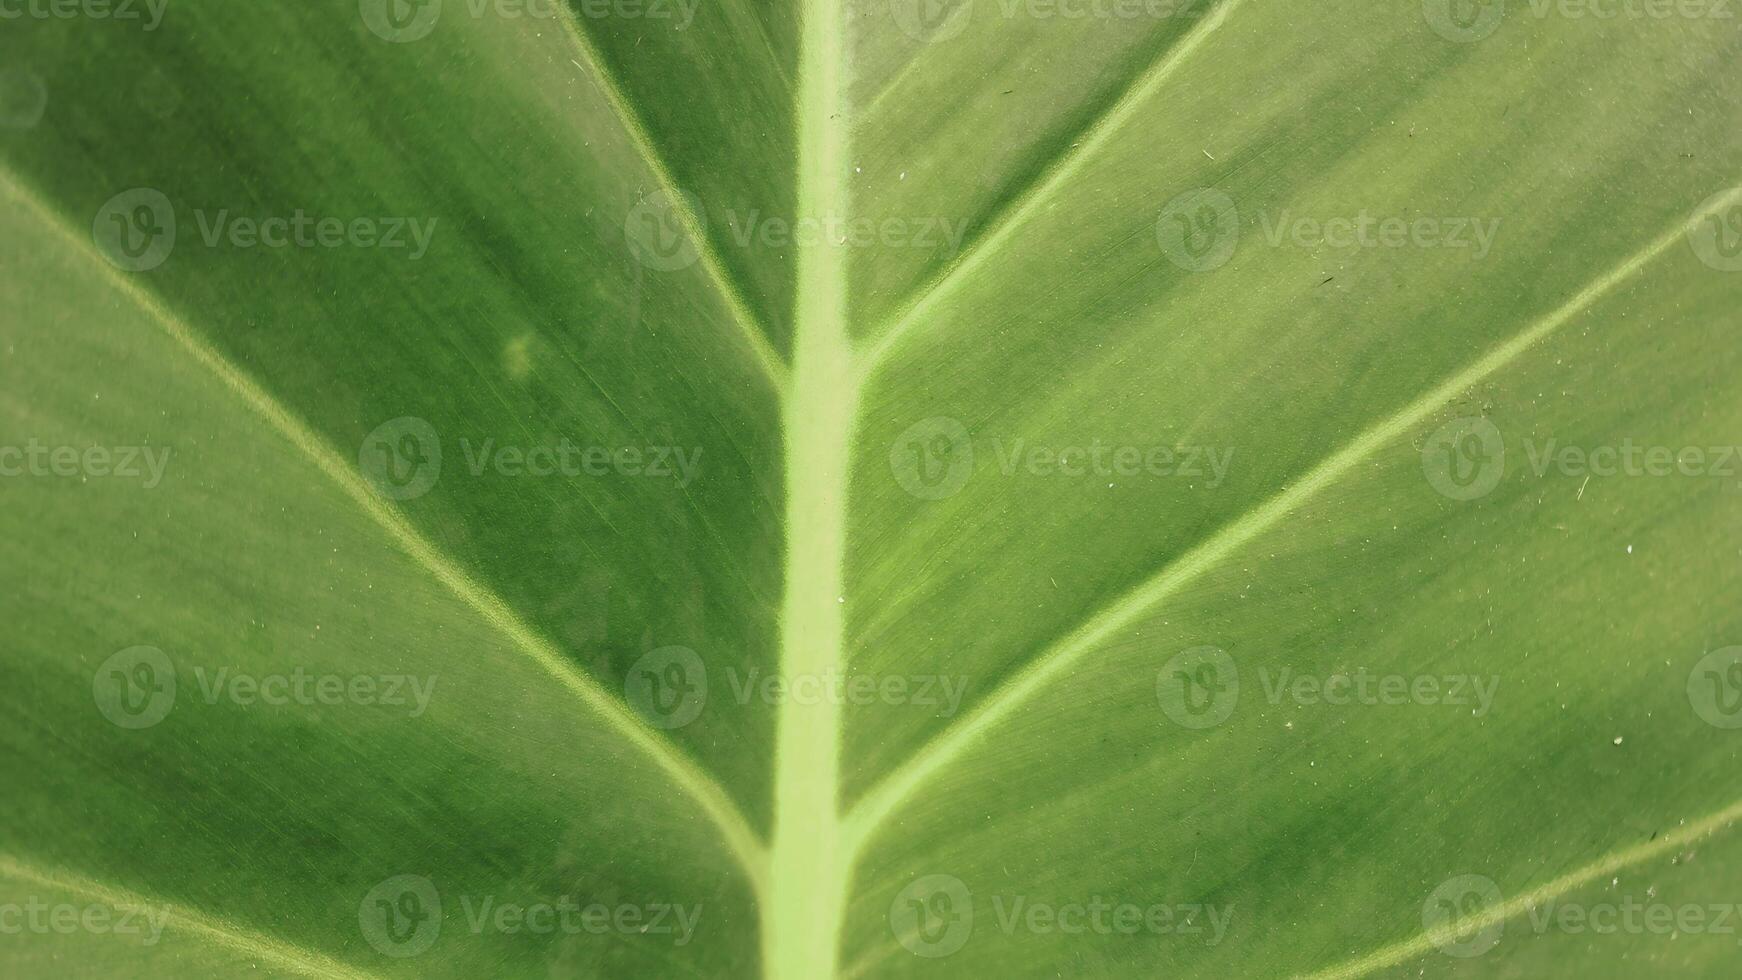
(809, 866)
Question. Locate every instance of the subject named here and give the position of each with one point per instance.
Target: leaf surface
(863, 490)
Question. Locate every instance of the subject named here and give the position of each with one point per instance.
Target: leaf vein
(1608, 864)
(207, 925)
(1056, 174)
(772, 364)
(883, 799)
(683, 771)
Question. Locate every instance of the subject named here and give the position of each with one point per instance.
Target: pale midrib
(755, 334)
(809, 869)
(212, 928)
(883, 799)
(746, 847)
(1426, 942)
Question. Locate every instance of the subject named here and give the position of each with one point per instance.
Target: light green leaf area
(843, 489)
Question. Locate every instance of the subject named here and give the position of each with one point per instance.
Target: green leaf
(803, 490)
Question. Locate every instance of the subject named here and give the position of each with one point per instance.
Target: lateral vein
(209, 926)
(1061, 171)
(754, 334)
(683, 772)
(894, 789)
(1426, 942)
